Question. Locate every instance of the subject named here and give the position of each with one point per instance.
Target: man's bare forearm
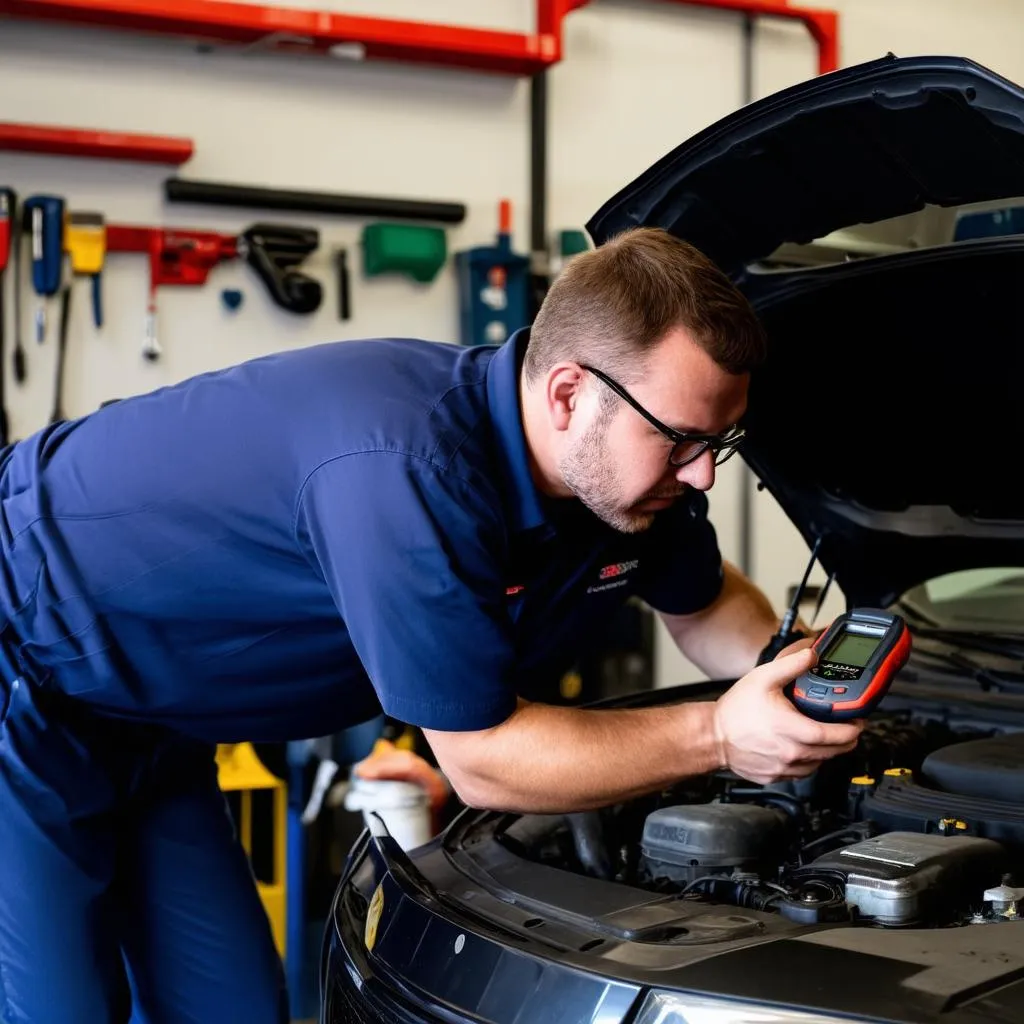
(725, 639)
(550, 759)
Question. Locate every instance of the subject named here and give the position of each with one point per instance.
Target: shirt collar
(503, 403)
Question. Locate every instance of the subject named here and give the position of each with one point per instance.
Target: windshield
(990, 600)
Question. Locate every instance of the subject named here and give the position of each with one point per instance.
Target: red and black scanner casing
(841, 687)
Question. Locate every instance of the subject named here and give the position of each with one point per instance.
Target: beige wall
(638, 78)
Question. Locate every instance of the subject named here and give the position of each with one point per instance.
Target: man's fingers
(785, 668)
(763, 736)
(405, 766)
(778, 674)
(822, 734)
(797, 645)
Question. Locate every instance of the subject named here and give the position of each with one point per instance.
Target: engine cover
(906, 878)
(990, 768)
(977, 785)
(682, 843)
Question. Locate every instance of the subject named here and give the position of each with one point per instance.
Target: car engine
(921, 826)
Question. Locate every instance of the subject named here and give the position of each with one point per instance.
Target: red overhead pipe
(343, 35)
(823, 25)
(361, 37)
(149, 149)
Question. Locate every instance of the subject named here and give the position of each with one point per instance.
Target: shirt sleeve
(684, 573)
(412, 555)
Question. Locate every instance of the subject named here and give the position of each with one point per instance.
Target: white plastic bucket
(401, 805)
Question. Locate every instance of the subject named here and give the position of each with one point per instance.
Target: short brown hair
(611, 305)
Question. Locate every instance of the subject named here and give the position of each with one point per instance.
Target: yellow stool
(240, 770)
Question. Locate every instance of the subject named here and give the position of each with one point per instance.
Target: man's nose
(699, 474)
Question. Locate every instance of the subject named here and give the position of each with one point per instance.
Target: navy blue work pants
(124, 893)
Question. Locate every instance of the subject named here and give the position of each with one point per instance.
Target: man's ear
(563, 385)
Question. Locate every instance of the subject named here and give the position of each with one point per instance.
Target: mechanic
(283, 548)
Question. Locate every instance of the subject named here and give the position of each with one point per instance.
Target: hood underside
(857, 146)
(886, 418)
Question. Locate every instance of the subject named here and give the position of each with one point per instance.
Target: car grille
(348, 1008)
(346, 1004)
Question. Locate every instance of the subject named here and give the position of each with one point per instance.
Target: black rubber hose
(180, 190)
(588, 839)
(772, 796)
(747, 895)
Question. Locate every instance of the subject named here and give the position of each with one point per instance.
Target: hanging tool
(176, 257)
(58, 414)
(418, 251)
(232, 299)
(186, 257)
(341, 265)
(274, 251)
(44, 219)
(8, 220)
(493, 287)
(85, 241)
(19, 348)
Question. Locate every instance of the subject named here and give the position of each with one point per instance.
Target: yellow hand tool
(85, 241)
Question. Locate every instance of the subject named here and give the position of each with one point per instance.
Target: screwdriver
(44, 216)
(8, 221)
(85, 241)
(19, 348)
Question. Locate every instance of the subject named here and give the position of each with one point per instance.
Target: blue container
(493, 292)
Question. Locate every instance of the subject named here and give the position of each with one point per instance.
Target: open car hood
(886, 420)
(853, 147)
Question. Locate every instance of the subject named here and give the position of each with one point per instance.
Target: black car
(888, 422)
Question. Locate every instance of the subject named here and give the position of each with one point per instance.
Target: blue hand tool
(44, 220)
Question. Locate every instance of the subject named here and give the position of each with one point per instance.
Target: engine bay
(921, 826)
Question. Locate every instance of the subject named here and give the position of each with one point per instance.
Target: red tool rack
(219, 22)
(152, 149)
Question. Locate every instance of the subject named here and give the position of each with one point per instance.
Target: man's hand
(552, 760)
(387, 761)
(762, 737)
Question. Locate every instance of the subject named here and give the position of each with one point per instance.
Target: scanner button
(817, 691)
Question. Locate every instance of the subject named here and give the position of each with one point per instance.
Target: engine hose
(772, 796)
(747, 895)
(588, 840)
(858, 833)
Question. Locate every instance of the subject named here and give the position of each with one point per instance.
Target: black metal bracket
(274, 251)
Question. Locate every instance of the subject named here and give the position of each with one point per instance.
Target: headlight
(679, 1008)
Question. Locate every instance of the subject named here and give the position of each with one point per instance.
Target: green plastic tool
(412, 249)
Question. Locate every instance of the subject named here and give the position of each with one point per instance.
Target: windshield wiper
(985, 676)
(1007, 645)
(1002, 644)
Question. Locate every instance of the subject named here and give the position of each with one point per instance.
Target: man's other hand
(762, 737)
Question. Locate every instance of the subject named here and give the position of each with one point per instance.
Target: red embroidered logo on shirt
(617, 569)
(512, 591)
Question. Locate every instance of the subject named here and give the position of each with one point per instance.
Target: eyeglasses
(686, 447)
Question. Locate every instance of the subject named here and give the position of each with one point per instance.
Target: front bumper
(351, 992)
(396, 953)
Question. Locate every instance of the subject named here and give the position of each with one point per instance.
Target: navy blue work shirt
(283, 548)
